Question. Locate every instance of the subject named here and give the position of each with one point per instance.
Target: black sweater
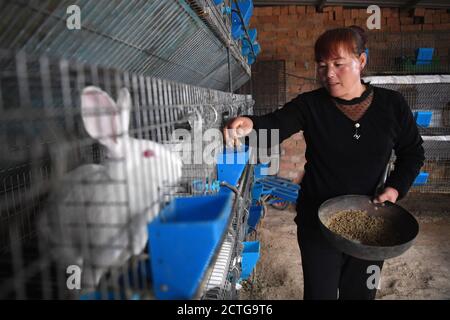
(337, 163)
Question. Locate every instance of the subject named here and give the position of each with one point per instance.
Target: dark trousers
(329, 274)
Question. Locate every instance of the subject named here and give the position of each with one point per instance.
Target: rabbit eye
(148, 154)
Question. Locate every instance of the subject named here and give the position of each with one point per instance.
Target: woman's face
(341, 75)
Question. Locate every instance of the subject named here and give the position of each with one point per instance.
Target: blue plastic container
(423, 118)
(246, 51)
(246, 8)
(182, 242)
(250, 257)
(231, 164)
(255, 214)
(236, 29)
(252, 33)
(258, 191)
(421, 179)
(424, 56)
(259, 170)
(247, 46)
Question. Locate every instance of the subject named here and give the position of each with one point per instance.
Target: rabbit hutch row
(101, 197)
(416, 64)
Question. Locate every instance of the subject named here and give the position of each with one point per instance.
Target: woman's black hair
(353, 39)
(360, 38)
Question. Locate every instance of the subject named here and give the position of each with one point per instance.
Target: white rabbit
(98, 209)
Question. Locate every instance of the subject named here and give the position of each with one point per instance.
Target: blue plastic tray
(250, 257)
(246, 8)
(423, 118)
(255, 214)
(182, 242)
(231, 164)
(259, 169)
(421, 179)
(424, 56)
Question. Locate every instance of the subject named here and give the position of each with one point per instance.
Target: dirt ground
(423, 272)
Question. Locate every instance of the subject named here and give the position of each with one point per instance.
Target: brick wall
(289, 32)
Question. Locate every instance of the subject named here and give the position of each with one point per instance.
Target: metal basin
(403, 222)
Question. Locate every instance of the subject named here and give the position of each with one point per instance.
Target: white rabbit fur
(117, 198)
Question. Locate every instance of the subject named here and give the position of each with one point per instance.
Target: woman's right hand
(237, 128)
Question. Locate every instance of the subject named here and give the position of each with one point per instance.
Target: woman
(350, 128)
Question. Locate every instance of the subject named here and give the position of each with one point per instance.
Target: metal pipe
(230, 77)
(231, 187)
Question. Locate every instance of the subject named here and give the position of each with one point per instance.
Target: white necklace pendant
(356, 135)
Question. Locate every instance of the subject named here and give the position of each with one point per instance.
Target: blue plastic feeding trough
(182, 243)
(231, 164)
(261, 170)
(252, 33)
(246, 9)
(258, 191)
(424, 56)
(423, 118)
(421, 179)
(255, 214)
(246, 50)
(247, 46)
(250, 257)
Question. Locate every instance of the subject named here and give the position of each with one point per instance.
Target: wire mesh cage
(438, 176)
(423, 93)
(164, 38)
(424, 52)
(214, 16)
(268, 86)
(429, 97)
(88, 162)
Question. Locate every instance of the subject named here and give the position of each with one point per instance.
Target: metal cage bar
(45, 140)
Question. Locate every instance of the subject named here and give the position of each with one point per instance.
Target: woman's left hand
(388, 194)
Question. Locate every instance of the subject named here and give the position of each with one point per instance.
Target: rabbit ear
(101, 116)
(124, 106)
